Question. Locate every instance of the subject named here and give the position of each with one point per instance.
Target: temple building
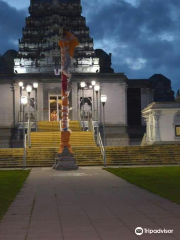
(38, 61)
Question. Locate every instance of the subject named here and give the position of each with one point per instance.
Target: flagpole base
(65, 161)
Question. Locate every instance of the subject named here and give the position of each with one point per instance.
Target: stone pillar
(124, 99)
(16, 102)
(156, 132)
(74, 101)
(40, 102)
(147, 129)
(126, 87)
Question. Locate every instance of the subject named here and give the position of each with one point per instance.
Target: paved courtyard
(87, 204)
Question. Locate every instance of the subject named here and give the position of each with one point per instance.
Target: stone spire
(38, 48)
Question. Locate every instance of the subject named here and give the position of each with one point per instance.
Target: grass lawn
(163, 181)
(10, 183)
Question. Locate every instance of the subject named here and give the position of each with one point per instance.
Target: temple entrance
(55, 107)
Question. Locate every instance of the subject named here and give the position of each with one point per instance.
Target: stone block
(65, 161)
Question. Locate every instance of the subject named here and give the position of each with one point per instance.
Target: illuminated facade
(38, 60)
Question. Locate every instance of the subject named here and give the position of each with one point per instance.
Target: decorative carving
(41, 35)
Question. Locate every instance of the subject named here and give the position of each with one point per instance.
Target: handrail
(25, 141)
(24, 154)
(103, 152)
(60, 126)
(79, 118)
(29, 133)
(91, 127)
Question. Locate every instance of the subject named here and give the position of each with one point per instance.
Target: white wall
(115, 108)
(40, 101)
(162, 122)
(74, 101)
(6, 105)
(167, 132)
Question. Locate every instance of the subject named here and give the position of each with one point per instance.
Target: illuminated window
(177, 129)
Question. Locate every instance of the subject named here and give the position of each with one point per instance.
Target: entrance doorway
(55, 107)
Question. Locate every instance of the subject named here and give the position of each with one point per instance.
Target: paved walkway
(88, 204)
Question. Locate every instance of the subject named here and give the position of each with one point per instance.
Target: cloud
(11, 23)
(135, 64)
(143, 36)
(18, 4)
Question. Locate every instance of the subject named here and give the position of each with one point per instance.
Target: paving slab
(87, 204)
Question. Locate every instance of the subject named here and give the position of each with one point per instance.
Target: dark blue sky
(142, 35)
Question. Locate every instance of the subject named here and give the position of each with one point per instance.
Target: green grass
(10, 184)
(163, 181)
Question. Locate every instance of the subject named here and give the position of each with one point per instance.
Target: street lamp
(21, 87)
(83, 84)
(24, 102)
(21, 84)
(93, 84)
(29, 90)
(35, 85)
(103, 100)
(97, 88)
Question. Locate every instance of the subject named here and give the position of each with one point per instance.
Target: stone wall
(115, 107)
(6, 105)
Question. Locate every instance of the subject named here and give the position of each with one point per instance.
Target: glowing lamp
(93, 83)
(35, 85)
(24, 100)
(103, 99)
(83, 84)
(29, 88)
(97, 88)
(21, 84)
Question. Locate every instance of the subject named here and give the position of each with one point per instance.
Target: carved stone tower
(38, 49)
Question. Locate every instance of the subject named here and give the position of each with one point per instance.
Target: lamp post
(24, 102)
(93, 84)
(29, 90)
(97, 88)
(83, 84)
(103, 100)
(35, 85)
(21, 87)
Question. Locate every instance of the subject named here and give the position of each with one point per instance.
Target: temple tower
(38, 49)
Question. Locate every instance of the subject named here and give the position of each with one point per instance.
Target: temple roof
(61, 1)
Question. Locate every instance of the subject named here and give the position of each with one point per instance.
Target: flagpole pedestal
(65, 161)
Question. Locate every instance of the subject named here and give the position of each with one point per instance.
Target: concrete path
(88, 204)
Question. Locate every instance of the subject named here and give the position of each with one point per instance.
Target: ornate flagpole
(65, 160)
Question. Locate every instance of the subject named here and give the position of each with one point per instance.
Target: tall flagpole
(67, 45)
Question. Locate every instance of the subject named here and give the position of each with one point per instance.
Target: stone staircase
(47, 126)
(137, 155)
(11, 157)
(45, 145)
(52, 139)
